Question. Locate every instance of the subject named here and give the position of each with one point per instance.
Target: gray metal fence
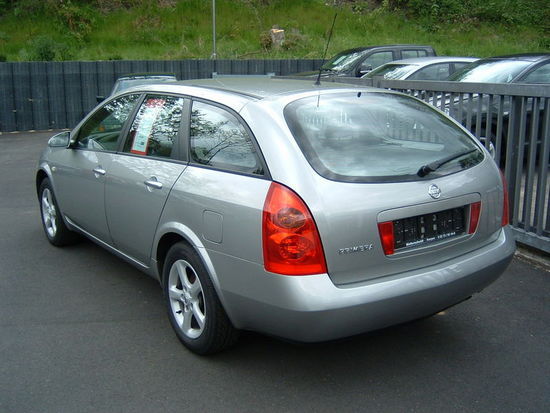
(53, 95)
(515, 120)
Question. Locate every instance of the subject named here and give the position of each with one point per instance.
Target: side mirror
(363, 70)
(490, 148)
(60, 140)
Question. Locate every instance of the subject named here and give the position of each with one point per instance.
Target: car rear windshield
(492, 71)
(378, 137)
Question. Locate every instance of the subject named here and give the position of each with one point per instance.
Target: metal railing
(54, 95)
(514, 118)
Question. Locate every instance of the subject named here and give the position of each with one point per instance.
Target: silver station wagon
(299, 211)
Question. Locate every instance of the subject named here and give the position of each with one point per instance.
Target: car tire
(194, 309)
(52, 221)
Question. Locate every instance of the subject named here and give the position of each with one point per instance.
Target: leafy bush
(265, 40)
(458, 11)
(78, 19)
(44, 48)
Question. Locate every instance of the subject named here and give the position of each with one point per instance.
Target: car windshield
(377, 137)
(342, 60)
(491, 71)
(392, 71)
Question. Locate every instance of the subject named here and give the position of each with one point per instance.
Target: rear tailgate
(427, 231)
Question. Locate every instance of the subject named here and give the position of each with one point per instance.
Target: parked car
(300, 211)
(128, 81)
(533, 68)
(520, 68)
(361, 60)
(421, 68)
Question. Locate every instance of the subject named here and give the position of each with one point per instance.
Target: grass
(185, 31)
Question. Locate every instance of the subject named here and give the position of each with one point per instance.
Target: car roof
(262, 87)
(147, 76)
(385, 46)
(530, 57)
(238, 91)
(428, 60)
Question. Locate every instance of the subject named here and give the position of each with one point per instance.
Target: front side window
(377, 137)
(102, 129)
(375, 60)
(156, 126)
(219, 140)
(438, 71)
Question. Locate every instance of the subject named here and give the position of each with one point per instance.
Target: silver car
(421, 68)
(300, 211)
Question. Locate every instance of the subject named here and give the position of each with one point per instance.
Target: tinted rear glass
(492, 71)
(377, 137)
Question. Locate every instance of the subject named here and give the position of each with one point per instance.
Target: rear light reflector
(505, 202)
(475, 212)
(387, 237)
(291, 242)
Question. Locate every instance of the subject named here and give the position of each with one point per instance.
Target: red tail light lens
(386, 236)
(475, 212)
(505, 202)
(291, 241)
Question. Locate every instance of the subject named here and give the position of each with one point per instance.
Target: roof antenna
(318, 82)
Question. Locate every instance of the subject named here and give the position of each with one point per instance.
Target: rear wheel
(54, 227)
(194, 309)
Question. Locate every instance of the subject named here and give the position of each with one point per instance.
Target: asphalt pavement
(82, 331)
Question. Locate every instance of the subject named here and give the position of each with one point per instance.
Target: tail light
(291, 241)
(505, 202)
(386, 236)
(475, 212)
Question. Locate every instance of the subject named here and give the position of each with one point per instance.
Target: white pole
(214, 56)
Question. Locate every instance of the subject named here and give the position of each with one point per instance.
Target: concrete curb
(535, 258)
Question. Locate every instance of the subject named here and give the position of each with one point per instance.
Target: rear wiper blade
(434, 166)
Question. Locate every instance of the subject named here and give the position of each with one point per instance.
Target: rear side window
(219, 139)
(377, 137)
(409, 54)
(155, 128)
(460, 65)
(438, 71)
(539, 75)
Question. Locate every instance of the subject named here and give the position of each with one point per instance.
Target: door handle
(152, 183)
(99, 171)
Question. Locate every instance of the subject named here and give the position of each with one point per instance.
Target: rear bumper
(312, 308)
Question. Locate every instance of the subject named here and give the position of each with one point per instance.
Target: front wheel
(54, 227)
(194, 310)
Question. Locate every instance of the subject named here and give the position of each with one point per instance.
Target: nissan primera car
(299, 211)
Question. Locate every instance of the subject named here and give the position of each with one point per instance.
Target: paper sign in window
(141, 139)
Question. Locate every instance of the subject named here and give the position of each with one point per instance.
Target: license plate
(423, 229)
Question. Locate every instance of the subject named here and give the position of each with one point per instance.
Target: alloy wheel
(186, 299)
(49, 214)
